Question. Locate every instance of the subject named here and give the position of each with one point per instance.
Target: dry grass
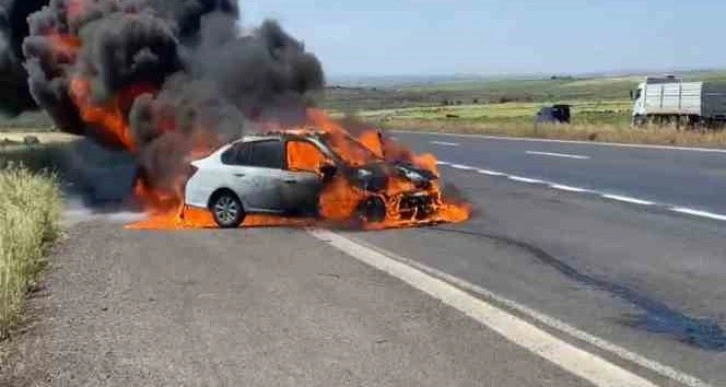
(583, 132)
(29, 213)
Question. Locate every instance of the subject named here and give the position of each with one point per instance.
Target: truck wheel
(639, 121)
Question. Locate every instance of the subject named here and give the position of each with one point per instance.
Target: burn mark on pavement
(657, 317)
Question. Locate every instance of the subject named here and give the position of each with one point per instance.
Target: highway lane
(648, 280)
(690, 179)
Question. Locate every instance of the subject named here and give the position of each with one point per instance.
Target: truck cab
(638, 98)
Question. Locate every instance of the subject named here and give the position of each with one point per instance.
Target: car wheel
(227, 209)
(372, 210)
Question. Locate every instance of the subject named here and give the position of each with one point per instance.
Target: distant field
(546, 90)
(584, 112)
(601, 108)
(35, 121)
(43, 137)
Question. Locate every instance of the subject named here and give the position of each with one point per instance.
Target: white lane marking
(562, 155)
(548, 321)
(444, 143)
(490, 173)
(588, 366)
(628, 199)
(610, 144)
(562, 187)
(568, 188)
(525, 180)
(703, 214)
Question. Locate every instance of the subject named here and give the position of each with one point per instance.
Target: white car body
(260, 189)
(251, 175)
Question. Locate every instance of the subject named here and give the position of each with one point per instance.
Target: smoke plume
(157, 78)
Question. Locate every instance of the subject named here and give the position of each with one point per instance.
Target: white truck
(663, 100)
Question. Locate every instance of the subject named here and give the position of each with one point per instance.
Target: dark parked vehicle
(559, 114)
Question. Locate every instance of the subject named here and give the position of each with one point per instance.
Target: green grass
(584, 112)
(30, 205)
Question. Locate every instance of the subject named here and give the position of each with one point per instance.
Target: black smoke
(177, 71)
(15, 95)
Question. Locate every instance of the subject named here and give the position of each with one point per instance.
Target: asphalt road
(638, 286)
(270, 307)
(683, 178)
(641, 277)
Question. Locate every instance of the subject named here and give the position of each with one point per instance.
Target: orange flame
(109, 118)
(339, 201)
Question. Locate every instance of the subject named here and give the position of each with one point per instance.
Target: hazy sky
(395, 37)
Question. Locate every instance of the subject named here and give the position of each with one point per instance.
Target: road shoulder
(263, 307)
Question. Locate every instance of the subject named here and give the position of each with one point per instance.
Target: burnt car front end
(408, 193)
(394, 190)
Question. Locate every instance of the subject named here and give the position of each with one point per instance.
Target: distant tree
(475, 101)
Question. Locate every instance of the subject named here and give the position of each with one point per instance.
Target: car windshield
(350, 150)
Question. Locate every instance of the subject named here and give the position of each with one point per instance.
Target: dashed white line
(703, 214)
(586, 365)
(525, 180)
(568, 188)
(490, 173)
(562, 155)
(628, 199)
(445, 143)
(605, 195)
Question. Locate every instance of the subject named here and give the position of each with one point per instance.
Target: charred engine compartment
(416, 204)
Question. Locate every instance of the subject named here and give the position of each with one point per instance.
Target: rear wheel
(227, 209)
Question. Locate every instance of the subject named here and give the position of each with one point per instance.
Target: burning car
(310, 173)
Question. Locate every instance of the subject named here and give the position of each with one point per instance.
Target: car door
(302, 177)
(256, 174)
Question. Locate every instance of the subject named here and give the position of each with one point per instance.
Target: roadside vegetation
(30, 205)
(601, 108)
(29, 215)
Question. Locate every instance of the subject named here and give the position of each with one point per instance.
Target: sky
(497, 37)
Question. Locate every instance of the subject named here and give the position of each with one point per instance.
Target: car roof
(291, 134)
(258, 138)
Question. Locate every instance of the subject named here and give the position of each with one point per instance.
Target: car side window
(236, 155)
(265, 154)
(304, 156)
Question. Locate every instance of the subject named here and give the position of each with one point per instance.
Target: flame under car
(308, 174)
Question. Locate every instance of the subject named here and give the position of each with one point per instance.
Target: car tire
(372, 210)
(226, 209)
